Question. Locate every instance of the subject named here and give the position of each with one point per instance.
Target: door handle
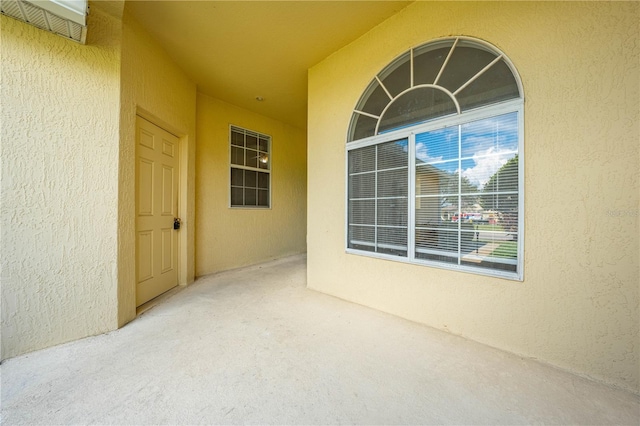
(176, 223)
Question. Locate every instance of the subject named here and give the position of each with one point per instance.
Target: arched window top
(439, 78)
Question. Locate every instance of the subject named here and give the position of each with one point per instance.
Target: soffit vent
(67, 18)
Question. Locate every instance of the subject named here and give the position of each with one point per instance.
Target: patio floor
(255, 346)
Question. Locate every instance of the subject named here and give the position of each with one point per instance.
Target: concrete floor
(255, 346)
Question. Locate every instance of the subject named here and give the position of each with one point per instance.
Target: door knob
(176, 223)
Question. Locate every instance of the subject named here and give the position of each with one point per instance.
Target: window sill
(511, 276)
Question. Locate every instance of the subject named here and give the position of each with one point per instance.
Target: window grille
(250, 168)
(433, 161)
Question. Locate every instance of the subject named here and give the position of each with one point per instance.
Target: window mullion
(239, 135)
(459, 194)
(378, 218)
(411, 69)
(375, 216)
(521, 193)
(411, 202)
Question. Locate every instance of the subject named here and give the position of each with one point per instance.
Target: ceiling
(239, 50)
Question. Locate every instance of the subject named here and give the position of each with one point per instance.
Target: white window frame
(243, 167)
(494, 110)
(409, 132)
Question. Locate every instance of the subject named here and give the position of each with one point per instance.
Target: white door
(156, 208)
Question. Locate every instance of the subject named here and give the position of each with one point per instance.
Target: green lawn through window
(508, 250)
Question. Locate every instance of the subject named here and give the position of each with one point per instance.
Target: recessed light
(259, 98)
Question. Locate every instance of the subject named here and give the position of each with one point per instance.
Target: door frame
(124, 270)
(182, 166)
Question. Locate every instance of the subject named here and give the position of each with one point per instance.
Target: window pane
(250, 179)
(487, 147)
(431, 211)
(392, 212)
(418, 105)
(263, 180)
(392, 241)
(466, 185)
(236, 197)
(491, 135)
(453, 227)
(263, 198)
(439, 243)
(362, 186)
(263, 161)
(362, 160)
(263, 145)
(252, 142)
(447, 237)
(465, 62)
(378, 196)
(250, 197)
(362, 238)
(468, 205)
(237, 177)
(426, 239)
(376, 100)
(500, 202)
(393, 154)
(392, 183)
(237, 138)
(427, 64)
(437, 145)
(437, 179)
(494, 240)
(443, 238)
(237, 156)
(362, 127)
(397, 76)
(494, 85)
(362, 212)
(251, 158)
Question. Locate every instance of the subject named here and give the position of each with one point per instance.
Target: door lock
(176, 223)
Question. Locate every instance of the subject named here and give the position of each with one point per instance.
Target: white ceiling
(238, 50)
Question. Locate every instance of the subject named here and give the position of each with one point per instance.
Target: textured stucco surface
(155, 87)
(60, 103)
(578, 305)
(229, 238)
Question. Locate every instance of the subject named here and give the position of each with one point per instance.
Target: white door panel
(156, 208)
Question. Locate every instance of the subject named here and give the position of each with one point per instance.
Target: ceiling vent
(67, 18)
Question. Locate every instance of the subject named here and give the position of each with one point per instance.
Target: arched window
(434, 164)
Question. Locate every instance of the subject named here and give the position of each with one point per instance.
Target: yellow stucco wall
(578, 305)
(155, 87)
(60, 103)
(229, 238)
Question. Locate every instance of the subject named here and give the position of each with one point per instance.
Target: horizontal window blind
(467, 194)
(434, 165)
(378, 198)
(461, 185)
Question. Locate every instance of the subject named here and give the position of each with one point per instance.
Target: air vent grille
(43, 19)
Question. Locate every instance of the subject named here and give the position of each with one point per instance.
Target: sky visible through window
(486, 146)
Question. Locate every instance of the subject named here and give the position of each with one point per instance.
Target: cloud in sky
(422, 153)
(485, 164)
